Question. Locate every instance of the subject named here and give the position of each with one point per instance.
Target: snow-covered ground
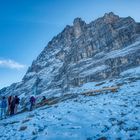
(112, 116)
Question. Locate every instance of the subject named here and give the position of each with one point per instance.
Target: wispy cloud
(11, 64)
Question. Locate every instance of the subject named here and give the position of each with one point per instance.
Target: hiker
(3, 107)
(9, 104)
(32, 102)
(12, 106)
(16, 104)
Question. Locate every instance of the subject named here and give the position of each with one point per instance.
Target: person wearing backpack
(32, 103)
(3, 106)
(16, 104)
(12, 107)
(9, 104)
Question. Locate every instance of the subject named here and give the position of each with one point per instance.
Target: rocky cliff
(80, 54)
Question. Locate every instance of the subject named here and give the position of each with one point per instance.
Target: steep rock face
(82, 53)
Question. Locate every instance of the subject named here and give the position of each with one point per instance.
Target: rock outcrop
(80, 54)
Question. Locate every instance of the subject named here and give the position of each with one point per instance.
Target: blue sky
(26, 26)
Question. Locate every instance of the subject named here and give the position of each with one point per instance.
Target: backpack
(17, 101)
(32, 99)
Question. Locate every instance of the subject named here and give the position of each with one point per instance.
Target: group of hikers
(9, 106)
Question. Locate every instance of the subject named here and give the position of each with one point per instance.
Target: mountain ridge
(78, 55)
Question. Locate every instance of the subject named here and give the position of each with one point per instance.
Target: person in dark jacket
(9, 104)
(16, 104)
(12, 107)
(3, 107)
(32, 103)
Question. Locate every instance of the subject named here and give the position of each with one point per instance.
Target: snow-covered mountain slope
(80, 54)
(111, 116)
(83, 57)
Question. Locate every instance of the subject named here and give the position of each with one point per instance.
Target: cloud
(11, 64)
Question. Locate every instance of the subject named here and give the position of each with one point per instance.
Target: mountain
(90, 74)
(80, 54)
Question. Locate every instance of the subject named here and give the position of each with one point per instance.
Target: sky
(26, 26)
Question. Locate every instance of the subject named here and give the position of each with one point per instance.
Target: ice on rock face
(81, 54)
(131, 72)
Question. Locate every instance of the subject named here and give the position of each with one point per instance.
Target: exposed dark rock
(82, 53)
